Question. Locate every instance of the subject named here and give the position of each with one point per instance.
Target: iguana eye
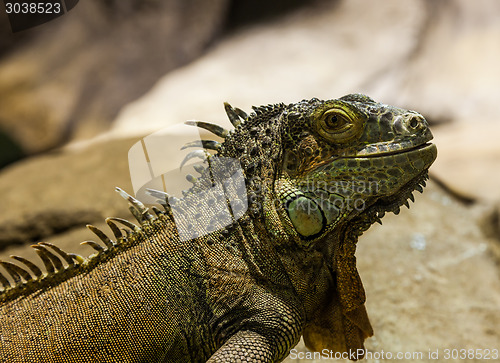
(337, 126)
(335, 123)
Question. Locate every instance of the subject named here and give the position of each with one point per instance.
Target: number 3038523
(486, 354)
(33, 8)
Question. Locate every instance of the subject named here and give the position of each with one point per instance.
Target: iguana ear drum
(306, 216)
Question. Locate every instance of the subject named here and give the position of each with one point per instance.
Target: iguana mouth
(388, 149)
(424, 153)
(426, 148)
(416, 148)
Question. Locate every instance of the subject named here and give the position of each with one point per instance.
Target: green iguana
(316, 175)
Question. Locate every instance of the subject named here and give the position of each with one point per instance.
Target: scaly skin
(317, 174)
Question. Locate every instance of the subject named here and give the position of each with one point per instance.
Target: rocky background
(78, 92)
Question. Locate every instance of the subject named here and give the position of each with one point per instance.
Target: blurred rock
(469, 158)
(75, 73)
(35, 227)
(245, 12)
(10, 150)
(452, 73)
(68, 78)
(58, 192)
(7, 39)
(489, 222)
(324, 51)
(437, 57)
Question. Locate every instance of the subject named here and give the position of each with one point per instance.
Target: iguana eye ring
(336, 125)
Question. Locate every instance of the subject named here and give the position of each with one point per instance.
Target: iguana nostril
(408, 123)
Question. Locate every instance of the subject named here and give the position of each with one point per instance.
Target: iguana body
(242, 292)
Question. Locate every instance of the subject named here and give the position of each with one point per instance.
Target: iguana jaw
(392, 203)
(425, 155)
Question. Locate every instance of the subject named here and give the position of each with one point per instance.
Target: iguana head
(320, 173)
(325, 163)
(344, 163)
(342, 157)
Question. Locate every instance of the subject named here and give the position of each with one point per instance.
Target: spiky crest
(213, 128)
(236, 116)
(60, 265)
(206, 144)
